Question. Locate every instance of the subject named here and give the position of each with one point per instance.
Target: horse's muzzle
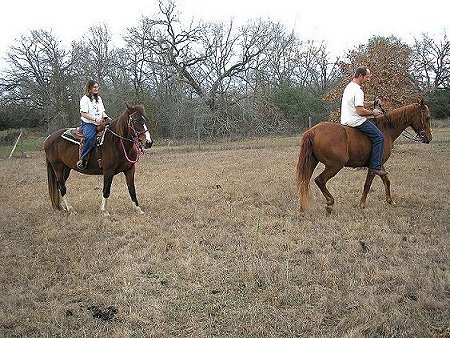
(148, 144)
(424, 138)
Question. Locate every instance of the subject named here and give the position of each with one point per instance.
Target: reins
(406, 134)
(139, 150)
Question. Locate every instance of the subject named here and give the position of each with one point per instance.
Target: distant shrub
(439, 103)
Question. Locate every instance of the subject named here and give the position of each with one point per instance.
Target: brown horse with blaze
(123, 143)
(338, 146)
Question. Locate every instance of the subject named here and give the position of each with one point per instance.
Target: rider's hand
(376, 112)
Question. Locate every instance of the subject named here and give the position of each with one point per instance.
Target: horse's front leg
(129, 175)
(369, 179)
(107, 181)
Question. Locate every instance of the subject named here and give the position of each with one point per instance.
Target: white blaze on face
(148, 138)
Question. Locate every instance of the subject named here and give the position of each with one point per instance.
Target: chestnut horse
(338, 146)
(123, 143)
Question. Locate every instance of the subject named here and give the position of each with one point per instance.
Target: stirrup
(81, 165)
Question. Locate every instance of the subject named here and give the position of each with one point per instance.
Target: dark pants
(89, 131)
(376, 136)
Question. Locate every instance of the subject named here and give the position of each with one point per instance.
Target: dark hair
(361, 71)
(87, 90)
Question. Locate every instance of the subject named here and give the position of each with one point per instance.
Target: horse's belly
(359, 149)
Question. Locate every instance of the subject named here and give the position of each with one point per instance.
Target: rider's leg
(89, 130)
(377, 138)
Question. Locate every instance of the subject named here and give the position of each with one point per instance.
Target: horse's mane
(120, 124)
(397, 116)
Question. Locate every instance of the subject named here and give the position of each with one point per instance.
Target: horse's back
(339, 145)
(329, 132)
(53, 137)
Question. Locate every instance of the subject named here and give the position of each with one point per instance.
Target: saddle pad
(69, 136)
(74, 135)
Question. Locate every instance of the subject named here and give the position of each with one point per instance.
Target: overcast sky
(342, 24)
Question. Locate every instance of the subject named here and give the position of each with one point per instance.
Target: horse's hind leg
(62, 174)
(321, 182)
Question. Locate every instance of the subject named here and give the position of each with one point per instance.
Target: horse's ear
(420, 101)
(128, 106)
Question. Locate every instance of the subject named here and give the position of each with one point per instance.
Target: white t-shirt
(353, 97)
(90, 106)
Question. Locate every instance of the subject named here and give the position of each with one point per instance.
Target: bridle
(419, 137)
(136, 133)
(137, 144)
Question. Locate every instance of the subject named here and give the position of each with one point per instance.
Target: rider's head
(91, 89)
(362, 75)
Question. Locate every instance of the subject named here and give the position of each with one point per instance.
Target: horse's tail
(305, 168)
(53, 186)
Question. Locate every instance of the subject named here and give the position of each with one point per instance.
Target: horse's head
(137, 126)
(420, 122)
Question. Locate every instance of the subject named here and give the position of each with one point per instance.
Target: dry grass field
(222, 250)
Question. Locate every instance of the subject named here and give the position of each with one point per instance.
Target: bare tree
(431, 63)
(139, 62)
(317, 71)
(38, 74)
(208, 57)
(100, 56)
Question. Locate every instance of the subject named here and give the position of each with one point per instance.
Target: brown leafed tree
(389, 61)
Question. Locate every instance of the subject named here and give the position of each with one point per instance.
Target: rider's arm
(102, 109)
(88, 116)
(369, 104)
(361, 111)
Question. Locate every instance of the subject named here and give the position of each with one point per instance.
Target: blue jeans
(89, 131)
(369, 129)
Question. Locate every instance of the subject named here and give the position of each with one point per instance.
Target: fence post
(15, 145)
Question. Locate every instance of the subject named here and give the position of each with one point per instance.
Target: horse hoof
(137, 208)
(329, 209)
(106, 214)
(362, 206)
(139, 211)
(69, 209)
